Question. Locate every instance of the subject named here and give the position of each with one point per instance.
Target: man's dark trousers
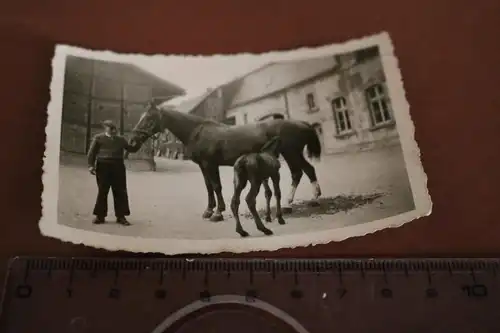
(111, 174)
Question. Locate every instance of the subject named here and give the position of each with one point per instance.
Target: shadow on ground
(324, 206)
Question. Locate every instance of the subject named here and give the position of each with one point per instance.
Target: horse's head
(148, 125)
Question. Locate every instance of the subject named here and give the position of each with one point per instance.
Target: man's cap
(108, 123)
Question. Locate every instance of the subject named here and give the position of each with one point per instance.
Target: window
(341, 114)
(245, 118)
(230, 120)
(378, 103)
(311, 101)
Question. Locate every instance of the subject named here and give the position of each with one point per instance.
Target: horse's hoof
(216, 218)
(281, 220)
(242, 233)
(266, 232)
(287, 210)
(207, 214)
(269, 219)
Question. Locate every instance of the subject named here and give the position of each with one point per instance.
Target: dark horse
(257, 168)
(211, 144)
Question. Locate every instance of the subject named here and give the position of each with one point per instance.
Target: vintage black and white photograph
(237, 152)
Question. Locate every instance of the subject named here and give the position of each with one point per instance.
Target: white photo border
(50, 227)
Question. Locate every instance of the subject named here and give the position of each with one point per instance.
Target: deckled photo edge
(49, 225)
(406, 129)
(50, 168)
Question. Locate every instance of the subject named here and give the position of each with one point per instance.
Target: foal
(257, 168)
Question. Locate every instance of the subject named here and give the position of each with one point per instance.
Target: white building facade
(345, 97)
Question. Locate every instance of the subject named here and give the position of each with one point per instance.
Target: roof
(188, 105)
(255, 70)
(229, 89)
(84, 65)
(243, 89)
(278, 76)
(173, 88)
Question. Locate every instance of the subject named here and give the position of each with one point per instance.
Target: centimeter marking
(273, 266)
(269, 266)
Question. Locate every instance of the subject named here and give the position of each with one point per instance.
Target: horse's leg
(277, 194)
(221, 205)
(311, 174)
(251, 201)
(239, 184)
(210, 190)
(296, 173)
(269, 194)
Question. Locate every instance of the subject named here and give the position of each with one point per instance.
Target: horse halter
(149, 132)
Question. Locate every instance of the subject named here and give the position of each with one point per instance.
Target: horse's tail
(313, 144)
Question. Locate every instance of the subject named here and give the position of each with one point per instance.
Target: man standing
(106, 162)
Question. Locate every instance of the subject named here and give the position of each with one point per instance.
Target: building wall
(358, 79)
(211, 107)
(106, 90)
(275, 77)
(249, 113)
(322, 115)
(349, 82)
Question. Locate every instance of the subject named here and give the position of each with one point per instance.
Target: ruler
(251, 295)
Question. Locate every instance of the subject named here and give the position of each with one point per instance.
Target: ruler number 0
(475, 290)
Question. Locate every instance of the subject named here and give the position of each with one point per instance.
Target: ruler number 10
(475, 290)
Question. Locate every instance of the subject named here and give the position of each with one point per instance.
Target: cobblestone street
(168, 203)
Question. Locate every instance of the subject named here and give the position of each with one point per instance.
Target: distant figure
(106, 162)
(258, 168)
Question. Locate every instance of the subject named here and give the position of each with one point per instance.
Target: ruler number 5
(475, 290)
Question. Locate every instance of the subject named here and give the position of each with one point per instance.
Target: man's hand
(92, 170)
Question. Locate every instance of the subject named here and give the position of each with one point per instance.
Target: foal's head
(272, 146)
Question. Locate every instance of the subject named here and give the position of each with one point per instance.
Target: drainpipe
(122, 106)
(89, 110)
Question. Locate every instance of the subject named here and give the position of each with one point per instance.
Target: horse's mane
(201, 120)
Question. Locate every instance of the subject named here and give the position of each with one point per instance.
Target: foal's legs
(221, 205)
(311, 174)
(250, 199)
(277, 194)
(240, 182)
(210, 190)
(269, 194)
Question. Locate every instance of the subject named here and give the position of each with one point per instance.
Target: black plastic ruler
(246, 295)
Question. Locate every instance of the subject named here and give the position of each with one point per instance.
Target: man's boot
(98, 220)
(122, 220)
